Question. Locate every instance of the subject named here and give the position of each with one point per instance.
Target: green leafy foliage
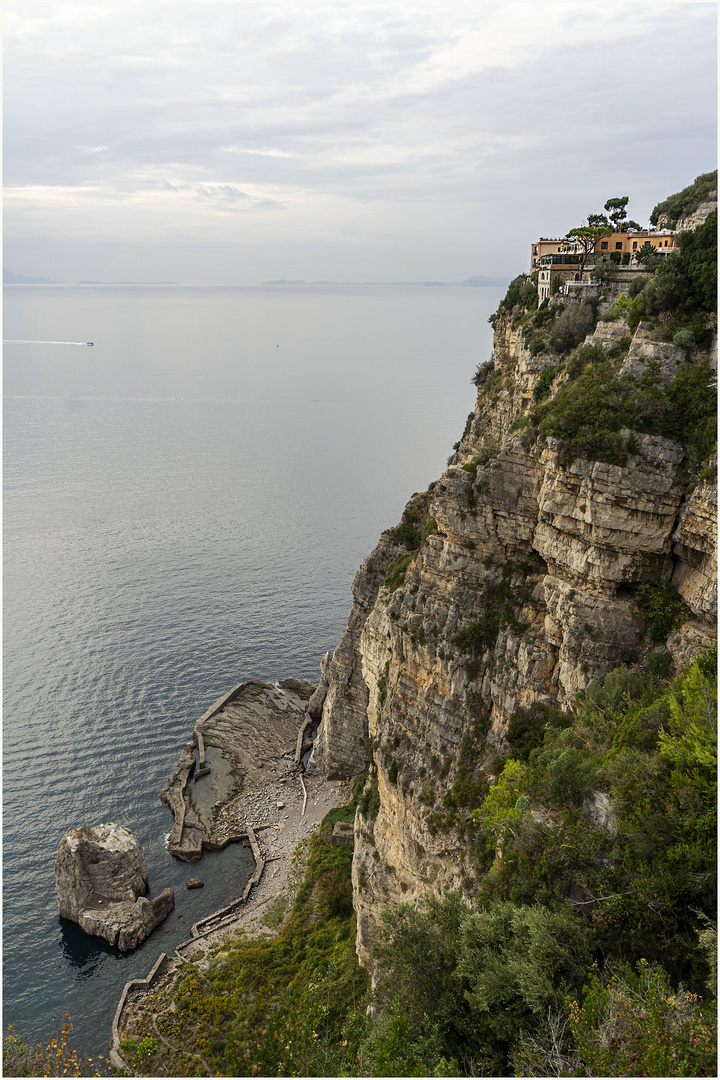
(589, 412)
(527, 727)
(684, 202)
(397, 570)
(542, 386)
(482, 975)
(683, 290)
(633, 1023)
(662, 609)
(289, 1005)
(413, 530)
(572, 325)
(521, 294)
(501, 599)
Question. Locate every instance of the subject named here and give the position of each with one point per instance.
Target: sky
(236, 142)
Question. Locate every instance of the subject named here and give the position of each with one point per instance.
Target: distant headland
(474, 282)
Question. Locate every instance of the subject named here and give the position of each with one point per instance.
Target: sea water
(186, 504)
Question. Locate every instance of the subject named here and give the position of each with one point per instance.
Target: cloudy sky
(238, 141)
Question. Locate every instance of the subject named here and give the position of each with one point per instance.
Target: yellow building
(632, 241)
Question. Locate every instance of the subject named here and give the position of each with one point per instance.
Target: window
(634, 245)
(603, 245)
(534, 249)
(647, 244)
(618, 245)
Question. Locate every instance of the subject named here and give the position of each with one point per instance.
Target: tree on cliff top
(599, 225)
(587, 236)
(617, 213)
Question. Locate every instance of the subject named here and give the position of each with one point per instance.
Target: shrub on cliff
(588, 413)
(572, 325)
(521, 295)
(482, 975)
(682, 293)
(684, 202)
(630, 1023)
(646, 881)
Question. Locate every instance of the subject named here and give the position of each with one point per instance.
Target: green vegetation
(55, 1059)
(684, 202)
(629, 1024)
(500, 599)
(588, 412)
(682, 293)
(578, 932)
(662, 609)
(397, 570)
(289, 1005)
(481, 975)
(414, 528)
(521, 296)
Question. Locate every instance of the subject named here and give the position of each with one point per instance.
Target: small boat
(89, 342)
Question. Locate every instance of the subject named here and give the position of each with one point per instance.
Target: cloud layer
(239, 140)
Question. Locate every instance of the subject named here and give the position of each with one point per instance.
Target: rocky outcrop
(695, 550)
(254, 725)
(521, 590)
(317, 700)
(644, 350)
(101, 878)
(699, 215)
(340, 747)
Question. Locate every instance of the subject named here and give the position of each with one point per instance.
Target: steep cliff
(514, 579)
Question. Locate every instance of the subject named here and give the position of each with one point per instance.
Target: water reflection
(83, 952)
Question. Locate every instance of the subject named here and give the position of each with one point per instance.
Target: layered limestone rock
(699, 215)
(694, 218)
(695, 550)
(341, 745)
(519, 588)
(101, 878)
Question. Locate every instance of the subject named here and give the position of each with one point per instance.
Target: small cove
(186, 506)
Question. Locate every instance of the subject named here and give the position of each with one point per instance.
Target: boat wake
(7, 341)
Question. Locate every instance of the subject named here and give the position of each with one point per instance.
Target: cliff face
(517, 589)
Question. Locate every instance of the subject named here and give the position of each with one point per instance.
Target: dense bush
(662, 609)
(683, 289)
(588, 412)
(521, 294)
(482, 975)
(651, 745)
(527, 727)
(630, 1023)
(542, 386)
(572, 326)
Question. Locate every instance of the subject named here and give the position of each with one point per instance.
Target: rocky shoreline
(255, 737)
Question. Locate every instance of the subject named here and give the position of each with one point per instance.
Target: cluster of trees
(586, 951)
(598, 225)
(580, 949)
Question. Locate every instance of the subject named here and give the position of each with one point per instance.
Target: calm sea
(186, 504)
